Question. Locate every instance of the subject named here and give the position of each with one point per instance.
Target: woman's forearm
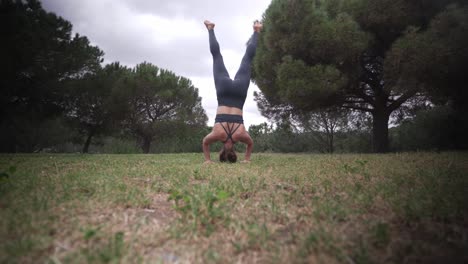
(248, 151)
(206, 151)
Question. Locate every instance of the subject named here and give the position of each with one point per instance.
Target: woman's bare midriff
(229, 110)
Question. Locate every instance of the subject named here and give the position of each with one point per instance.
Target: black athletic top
(220, 118)
(230, 131)
(233, 123)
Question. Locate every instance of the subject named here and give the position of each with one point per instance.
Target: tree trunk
(88, 141)
(146, 144)
(380, 131)
(329, 141)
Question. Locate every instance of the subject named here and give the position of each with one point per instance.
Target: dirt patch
(160, 211)
(144, 229)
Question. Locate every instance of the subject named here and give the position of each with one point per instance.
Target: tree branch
(359, 93)
(396, 103)
(162, 112)
(354, 102)
(359, 108)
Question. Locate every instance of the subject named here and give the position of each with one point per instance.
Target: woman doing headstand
(231, 93)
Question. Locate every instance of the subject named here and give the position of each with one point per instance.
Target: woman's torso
(228, 110)
(218, 127)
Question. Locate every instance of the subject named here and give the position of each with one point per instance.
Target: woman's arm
(247, 140)
(207, 141)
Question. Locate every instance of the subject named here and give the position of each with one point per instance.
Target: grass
(281, 208)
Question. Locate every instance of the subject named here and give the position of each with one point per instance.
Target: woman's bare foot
(257, 26)
(209, 25)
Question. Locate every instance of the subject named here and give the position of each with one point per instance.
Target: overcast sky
(171, 35)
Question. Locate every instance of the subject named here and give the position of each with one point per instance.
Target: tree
(178, 136)
(37, 54)
(432, 129)
(437, 59)
(91, 104)
(262, 135)
(319, 53)
(156, 96)
(325, 123)
(260, 129)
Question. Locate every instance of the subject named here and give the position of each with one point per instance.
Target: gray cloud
(176, 7)
(169, 34)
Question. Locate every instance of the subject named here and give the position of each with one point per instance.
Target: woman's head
(228, 154)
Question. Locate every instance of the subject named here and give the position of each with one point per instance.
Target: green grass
(281, 208)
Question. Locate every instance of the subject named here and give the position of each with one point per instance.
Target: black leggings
(232, 92)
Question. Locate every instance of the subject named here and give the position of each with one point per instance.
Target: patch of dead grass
(144, 229)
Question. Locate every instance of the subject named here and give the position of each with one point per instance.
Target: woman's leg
(242, 79)
(220, 72)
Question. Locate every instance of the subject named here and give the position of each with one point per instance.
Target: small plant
(362, 163)
(381, 234)
(112, 251)
(211, 256)
(318, 241)
(5, 175)
(182, 201)
(349, 168)
(309, 245)
(359, 166)
(203, 209)
(197, 175)
(5, 179)
(361, 253)
(258, 235)
(90, 233)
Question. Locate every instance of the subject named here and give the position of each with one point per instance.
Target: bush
(439, 128)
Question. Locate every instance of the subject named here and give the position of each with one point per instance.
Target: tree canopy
(371, 56)
(154, 97)
(53, 87)
(91, 104)
(38, 52)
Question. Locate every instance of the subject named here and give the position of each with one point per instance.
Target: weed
(112, 251)
(211, 256)
(381, 234)
(358, 166)
(89, 233)
(5, 175)
(361, 253)
(258, 235)
(318, 242)
(202, 209)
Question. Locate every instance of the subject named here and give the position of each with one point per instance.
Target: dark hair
(228, 155)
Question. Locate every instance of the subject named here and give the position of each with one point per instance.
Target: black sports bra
(230, 131)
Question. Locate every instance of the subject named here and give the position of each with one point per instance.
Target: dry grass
(281, 208)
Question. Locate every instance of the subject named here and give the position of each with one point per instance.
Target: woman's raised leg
(242, 77)
(219, 69)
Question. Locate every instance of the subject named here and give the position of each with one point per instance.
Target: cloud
(169, 34)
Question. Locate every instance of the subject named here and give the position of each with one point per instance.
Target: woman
(229, 124)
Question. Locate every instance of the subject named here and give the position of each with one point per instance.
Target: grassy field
(281, 208)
